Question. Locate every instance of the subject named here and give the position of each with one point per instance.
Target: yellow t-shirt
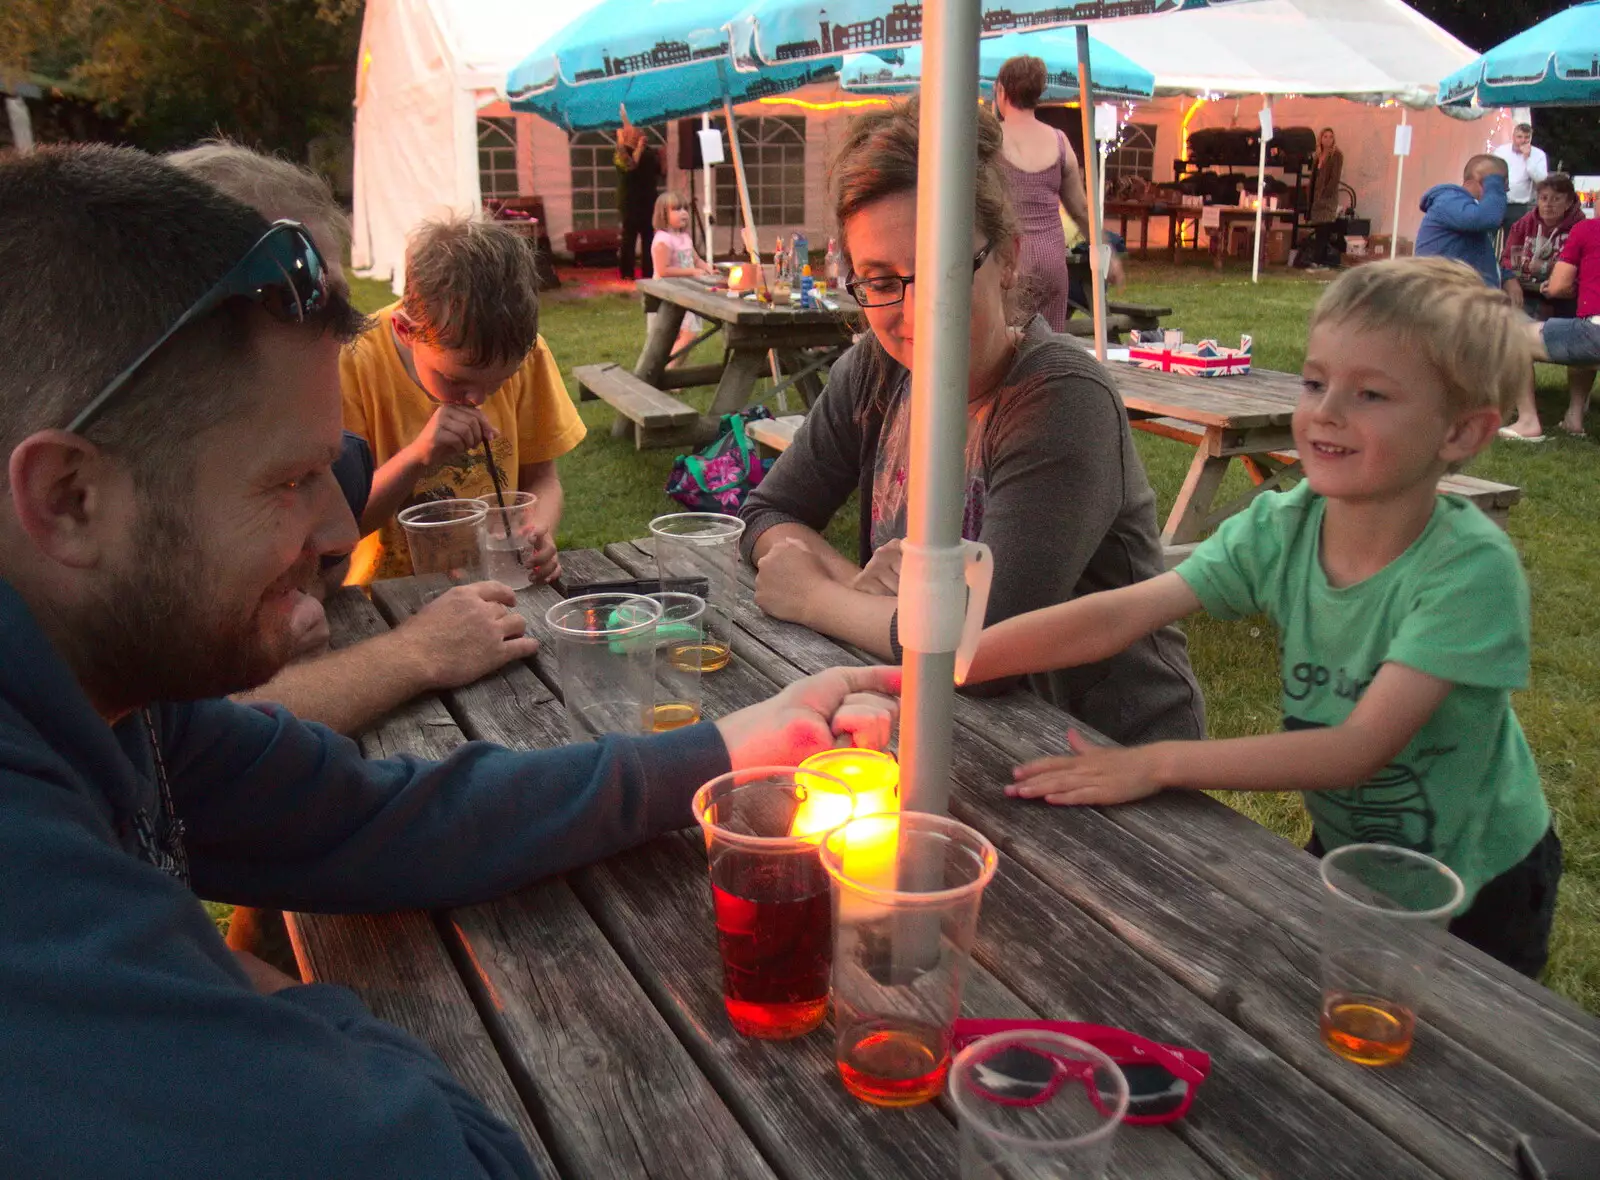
(534, 415)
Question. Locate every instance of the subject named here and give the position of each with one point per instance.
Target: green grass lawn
(612, 491)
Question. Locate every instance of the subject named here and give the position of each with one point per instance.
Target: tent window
(497, 157)
(1135, 155)
(594, 176)
(774, 152)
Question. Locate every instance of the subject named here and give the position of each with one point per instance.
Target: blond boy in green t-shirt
(1403, 615)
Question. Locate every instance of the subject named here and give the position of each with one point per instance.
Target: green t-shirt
(1454, 605)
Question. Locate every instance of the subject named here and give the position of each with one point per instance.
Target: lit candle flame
(874, 777)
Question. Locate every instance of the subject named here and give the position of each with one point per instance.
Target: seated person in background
(1403, 615)
(454, 640)
(147, 569)
(456, 366)
(1053, 485)
(672, 255)
(1567, 337)
(1461, 220)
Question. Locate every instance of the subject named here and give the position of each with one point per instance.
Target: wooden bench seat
(1141, 316)
(1083, 326)
(774, 434)
(659, 419)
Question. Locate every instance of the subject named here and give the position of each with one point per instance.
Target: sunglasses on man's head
(282, 273)
(1162, 1079)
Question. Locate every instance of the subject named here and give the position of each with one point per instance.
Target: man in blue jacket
(169, 412)
(1461, 220)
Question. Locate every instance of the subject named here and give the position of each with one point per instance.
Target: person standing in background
(1527, 166)
(638, 184)
(1327, 169)
(1042, 175)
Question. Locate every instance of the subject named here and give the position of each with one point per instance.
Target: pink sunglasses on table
(1162, 1079)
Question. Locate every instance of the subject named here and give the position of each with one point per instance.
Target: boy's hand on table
(466, 633)
(453, 430)
(544, 564)
(1090, 775)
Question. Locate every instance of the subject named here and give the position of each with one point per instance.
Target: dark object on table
(594, 247)
(527, 214)
(1549, 1157)
(698, 586)
(1291, 147)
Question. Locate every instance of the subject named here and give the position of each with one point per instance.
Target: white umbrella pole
(750, 246)
(1091, 176)
(708, 192)
(1261, 191)
(932, 587)
(1399, 175)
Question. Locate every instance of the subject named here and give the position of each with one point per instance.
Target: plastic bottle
(799, 252)
(833, 266)
(807, 287)
(782, 283)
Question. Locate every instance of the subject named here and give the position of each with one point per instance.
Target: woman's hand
(787, 579)
(882, 573)
(1090, 774)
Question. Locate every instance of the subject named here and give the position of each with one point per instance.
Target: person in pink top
(672, 255)
(1572, 342)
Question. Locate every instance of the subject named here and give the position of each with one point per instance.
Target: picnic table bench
(804, 342)
(1247, 418)
(586, 1009)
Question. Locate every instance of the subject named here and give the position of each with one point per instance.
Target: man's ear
(1470, 433)
(64, 491)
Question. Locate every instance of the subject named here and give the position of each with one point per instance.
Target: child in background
(1403, 615)
(672, 255)
(457, 365)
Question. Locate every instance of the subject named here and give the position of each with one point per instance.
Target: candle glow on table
(874, 777)
(823, 808)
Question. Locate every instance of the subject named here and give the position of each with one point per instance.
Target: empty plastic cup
(605, 655)
(704, 545)
(445, 538)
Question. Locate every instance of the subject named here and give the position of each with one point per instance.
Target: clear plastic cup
(706, 545)
(509, 539)
(1035, 1103)
(605, 657)
(773, 903)
(445, 538)
(680, 636)
(1385, 910)
(906, 893)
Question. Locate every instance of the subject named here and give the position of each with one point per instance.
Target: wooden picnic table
(587, 1009)
(1142, 211)
(805, 340)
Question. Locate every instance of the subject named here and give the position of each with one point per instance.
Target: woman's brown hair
(1023, 79)
(1558, 182)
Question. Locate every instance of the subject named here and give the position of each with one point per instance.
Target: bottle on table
(799, 252)
(833, 266)
(782, 273)
(807, 287)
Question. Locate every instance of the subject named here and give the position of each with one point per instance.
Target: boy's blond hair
(472, 287)
(273, 187)
(665, 204)
(1469, 332)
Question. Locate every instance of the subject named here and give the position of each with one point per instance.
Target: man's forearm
(840, 568)
(853, 616)
(391, 484)
(349, 689)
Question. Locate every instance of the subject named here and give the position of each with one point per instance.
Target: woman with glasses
(1052, 483)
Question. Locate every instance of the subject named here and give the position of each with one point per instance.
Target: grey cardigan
(1069, 511)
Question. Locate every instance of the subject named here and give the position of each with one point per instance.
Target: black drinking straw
(499, 494)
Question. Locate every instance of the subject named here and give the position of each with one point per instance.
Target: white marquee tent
(431, 69)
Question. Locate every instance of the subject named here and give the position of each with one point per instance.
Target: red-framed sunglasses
(1162, 1079)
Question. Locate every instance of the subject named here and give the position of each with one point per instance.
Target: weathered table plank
(397, 963)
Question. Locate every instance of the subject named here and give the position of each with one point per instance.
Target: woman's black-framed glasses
(887, 290)
(282, 272)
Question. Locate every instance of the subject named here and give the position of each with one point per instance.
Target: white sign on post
(1105, 121)
(1402, 140)
(710, 146)
(1211, 217)
(1266, 122)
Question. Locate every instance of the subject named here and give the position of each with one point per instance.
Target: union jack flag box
(1206, 359)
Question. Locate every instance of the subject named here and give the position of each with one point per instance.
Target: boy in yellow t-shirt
(458, 364)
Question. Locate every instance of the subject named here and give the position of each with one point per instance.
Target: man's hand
(787, 577)
(453, 430)
(1091, 774)
(466, 633)
(882, 572)
(264, 977)
(857, 704)
(308, 627)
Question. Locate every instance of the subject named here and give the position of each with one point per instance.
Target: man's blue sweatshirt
(133, 1043)
(1455, 224)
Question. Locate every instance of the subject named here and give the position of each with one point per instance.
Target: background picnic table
(587, 1009)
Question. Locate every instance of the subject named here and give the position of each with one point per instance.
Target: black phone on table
(1558, 1157)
